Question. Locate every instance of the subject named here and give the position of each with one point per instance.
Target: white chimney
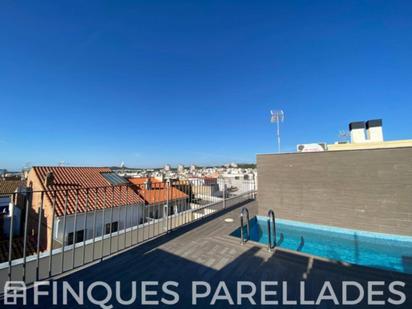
(49, 179)
(374, 130)
(357, 132)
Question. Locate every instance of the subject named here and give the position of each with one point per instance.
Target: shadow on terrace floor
(153, 262)
(158, 265)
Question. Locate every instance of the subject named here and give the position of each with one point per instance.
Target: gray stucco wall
(362, 189)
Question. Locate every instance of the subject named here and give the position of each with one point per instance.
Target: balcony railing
(47, 233)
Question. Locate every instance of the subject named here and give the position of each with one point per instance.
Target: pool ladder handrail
(271, 215)
(242, 236)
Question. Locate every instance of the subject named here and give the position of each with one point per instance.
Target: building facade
(73, 204)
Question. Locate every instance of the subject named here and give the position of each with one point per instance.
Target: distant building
(238, 181)
(7, 188)
(6, 175)
(158, 194)
(192, 168)
(180, 168)
(167, 167)
(204, 187)
(11, 205)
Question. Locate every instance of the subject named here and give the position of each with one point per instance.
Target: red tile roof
(78, 179)
(17, 248)
(141, 180)
(161, 195)
(9, 186)
(158, 192)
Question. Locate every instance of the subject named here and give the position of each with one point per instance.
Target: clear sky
(155, 82)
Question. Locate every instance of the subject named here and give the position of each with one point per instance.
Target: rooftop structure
(363, 135)
(363, 189)
(368, 135)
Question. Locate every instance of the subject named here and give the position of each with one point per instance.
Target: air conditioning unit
(313, 147)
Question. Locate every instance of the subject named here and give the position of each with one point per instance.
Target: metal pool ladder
(271, 215)
(242, 236)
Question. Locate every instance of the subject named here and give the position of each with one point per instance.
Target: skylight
(114, 179)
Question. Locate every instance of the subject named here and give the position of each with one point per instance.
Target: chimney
(374, 130)
(148, 184)
(49, 179)
(357, 132)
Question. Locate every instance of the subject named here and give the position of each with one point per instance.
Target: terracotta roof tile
(72, 180)
(142, 180)
(9, 186)
(161, 195)
(17, 248)
(158, 192)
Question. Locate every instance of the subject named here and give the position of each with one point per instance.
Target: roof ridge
(83, 167)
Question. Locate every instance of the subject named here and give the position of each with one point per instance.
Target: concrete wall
(360, 189)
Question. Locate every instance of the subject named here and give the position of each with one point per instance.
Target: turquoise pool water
(391, 252)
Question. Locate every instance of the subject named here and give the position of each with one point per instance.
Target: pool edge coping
(342, 230)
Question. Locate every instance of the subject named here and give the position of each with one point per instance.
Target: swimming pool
(390, 252)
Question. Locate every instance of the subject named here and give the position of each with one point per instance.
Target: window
(79, 237)
(115, 227)
(114, 179)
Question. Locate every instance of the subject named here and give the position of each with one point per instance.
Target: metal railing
(242, 233)
(271, 217)
(53, 231)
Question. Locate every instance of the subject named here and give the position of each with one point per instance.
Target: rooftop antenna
(277, 117)
(343, 136)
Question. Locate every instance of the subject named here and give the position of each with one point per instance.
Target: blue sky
(154, 82)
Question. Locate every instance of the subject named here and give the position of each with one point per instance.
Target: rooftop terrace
(205, 251)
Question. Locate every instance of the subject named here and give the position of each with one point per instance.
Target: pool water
(390, 252)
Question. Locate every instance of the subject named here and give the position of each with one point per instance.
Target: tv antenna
(277, 116)
(343, 136)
